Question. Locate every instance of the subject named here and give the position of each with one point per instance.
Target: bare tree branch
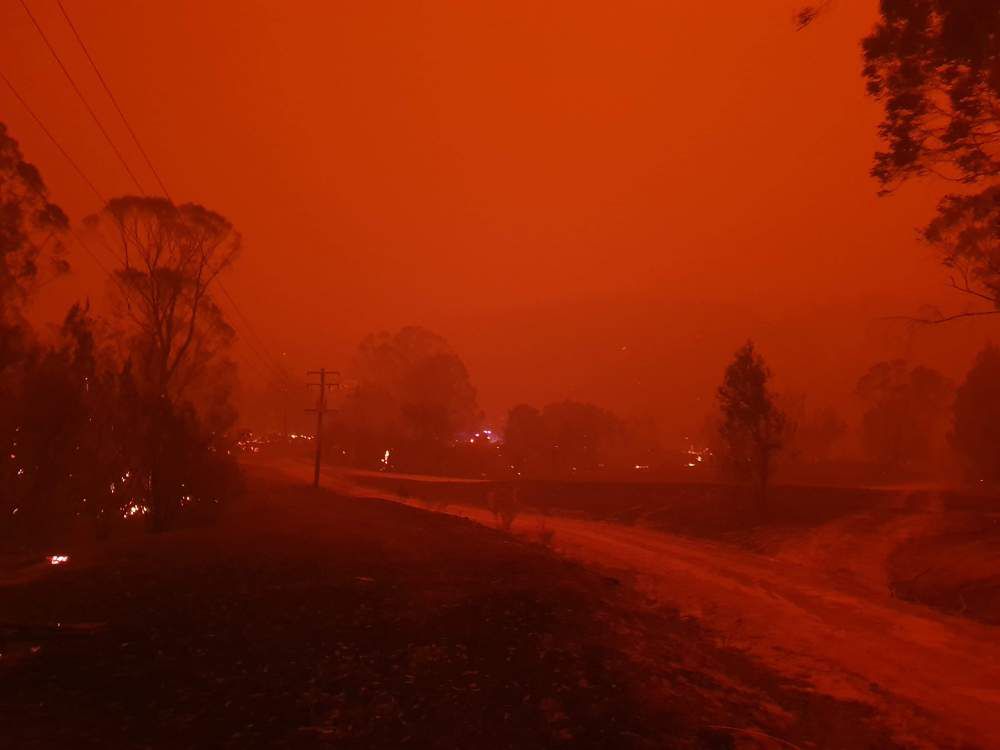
(942, 319)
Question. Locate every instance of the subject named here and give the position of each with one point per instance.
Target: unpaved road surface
(818, 609)
(841, 635)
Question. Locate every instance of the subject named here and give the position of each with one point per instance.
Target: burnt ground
(956, 569)
(951, 564)
(306, 619)
(706, 510)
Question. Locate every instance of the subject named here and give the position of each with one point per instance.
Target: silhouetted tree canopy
(31, 229)
(413, 397)
(935, 67)
(976, 433)
(30, 224)
(573, 437)
(170, 256)
(94, 425)
(525, 443)
(82, 440)
(906, 412)
(753, 428)
(967, 232)
(176, 336)
(72, 434)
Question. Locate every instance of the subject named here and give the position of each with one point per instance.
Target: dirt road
(818, 609)
(844, 638)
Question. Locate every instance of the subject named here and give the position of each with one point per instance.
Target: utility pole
(284, 412)
(285, 388)
(320, 410)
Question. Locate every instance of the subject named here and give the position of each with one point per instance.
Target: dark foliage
(976, 433)
(967, 232)
(103, 427)
(753, 427)
(935, 66)
(170, 257)
(570, 438)
(78, 437)
(906, 410)
(413, 398)
(31, 231)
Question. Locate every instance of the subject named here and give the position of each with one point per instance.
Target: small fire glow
(485, 434)
(134, 509)
(57, 559)
(697, 456)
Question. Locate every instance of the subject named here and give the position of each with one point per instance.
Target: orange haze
(589, 200)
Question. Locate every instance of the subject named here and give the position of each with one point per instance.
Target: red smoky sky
(597, 201)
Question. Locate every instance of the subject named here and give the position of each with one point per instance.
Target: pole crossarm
(321, 408)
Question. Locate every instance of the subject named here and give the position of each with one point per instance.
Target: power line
(114, 101)
(269, 361)
(52, 138)
(73, 163)
(79, 93)
(152, 168)
(275, 363)
(271, 370)
(110, 274)
(93, 255)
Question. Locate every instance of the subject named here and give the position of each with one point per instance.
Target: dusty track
(818, 610)
(846, 639)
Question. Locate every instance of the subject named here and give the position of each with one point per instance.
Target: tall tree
(170, 256)
(176, 335)
(70, 435)
(906, 411)
(31, 228)
(976, 433)
(752, 429)
(967, 233)
(413, 397)
(935, 67)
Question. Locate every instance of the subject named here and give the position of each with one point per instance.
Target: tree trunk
(763, 479)
(159, 502)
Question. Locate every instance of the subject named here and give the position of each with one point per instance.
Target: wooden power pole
(320, 410)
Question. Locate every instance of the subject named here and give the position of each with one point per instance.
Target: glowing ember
(57, 559)
(697, 456)
(134, 509)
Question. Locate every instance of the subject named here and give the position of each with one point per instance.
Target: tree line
(413, 408)
(115, 417)
(916, 423)
(934, 67)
